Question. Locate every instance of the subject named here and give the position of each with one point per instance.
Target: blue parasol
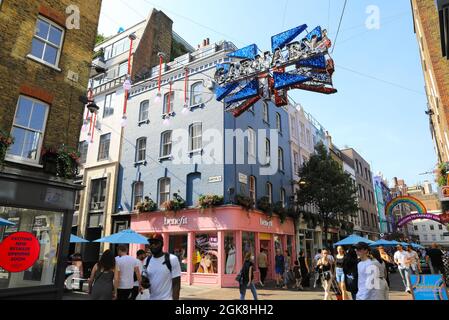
(4, 222)
(353, 239)
(124, 237)
(75, 239)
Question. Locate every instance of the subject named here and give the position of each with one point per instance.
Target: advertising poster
(429, 287)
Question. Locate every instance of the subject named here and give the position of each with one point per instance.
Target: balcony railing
(109, 85)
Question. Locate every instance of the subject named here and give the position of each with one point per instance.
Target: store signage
(175, 221)
(427, 216)
(215, 179)
(266, 223)
(19, 252)
(243, 178)
(429, 287)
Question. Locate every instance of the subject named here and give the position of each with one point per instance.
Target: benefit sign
(19, 252)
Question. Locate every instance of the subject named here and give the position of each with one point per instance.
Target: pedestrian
(141, 257)
(371, 281)
(383, 288)
(415, 265)
(287, 269)
(316, 258)
(104, 278)
(279, 265)
(247, 277)
(262, 264)
(304, 268)
(388, 262)
(326, 270)
(402, 260)
(435, 256)
(163, 271)
(77, 262)
(339, 273)
(129, 267)
(350, 270)
(298, 276)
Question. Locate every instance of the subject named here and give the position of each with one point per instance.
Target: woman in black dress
(104, 278)
(350, 270)
(304, 267)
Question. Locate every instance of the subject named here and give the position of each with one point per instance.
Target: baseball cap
(156, 237)
(362, 246)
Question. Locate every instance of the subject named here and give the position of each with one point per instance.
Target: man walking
(435, 256)
(128, 268)
(262, 263)
(403, 259)
(141, 257)
(279, 268)
(415, 266)
(163, 272)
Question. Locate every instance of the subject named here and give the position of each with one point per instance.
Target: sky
(379, 109)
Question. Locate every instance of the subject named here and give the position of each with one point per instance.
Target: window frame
(172, 103)
(266, 112)
(252, 143)
(20, 159)
(139, 149)
(161, 152)
(135, 184)
(111, 100)
(159, 184)
(142, 103)
(99, 147)
(281, 164)
(253, 188)
(193, 95)
(278, 122)
(282, 197)
(192, 138)
(80, 144)
(269, 192)
(47, 42)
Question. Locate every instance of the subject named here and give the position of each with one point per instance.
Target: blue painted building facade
(189, 147)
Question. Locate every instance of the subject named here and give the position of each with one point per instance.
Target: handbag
(239, 277)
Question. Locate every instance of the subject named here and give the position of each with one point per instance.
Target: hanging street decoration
(252, 76)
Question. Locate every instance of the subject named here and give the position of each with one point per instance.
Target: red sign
(19, 252)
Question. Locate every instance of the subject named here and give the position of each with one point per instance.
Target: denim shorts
(340, 275)
(279, 270)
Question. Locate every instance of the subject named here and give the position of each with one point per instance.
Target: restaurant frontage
(211, 243)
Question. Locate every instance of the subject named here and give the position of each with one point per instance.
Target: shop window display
(230, 253)
(278, 243)
(178, 247)
(46, 227)
(206, 253)
(248, 244)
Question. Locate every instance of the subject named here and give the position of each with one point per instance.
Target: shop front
(211, 244)
(42, 210)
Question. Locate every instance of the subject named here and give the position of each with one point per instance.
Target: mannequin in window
(230, 262)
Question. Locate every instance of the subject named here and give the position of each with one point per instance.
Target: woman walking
(339, 273)
(247, 277)
(388, 262)
(383, 289)
(279, 267)
(104, 278)
(287, 268)
(304, 267)
(325, 267)
(350, 263)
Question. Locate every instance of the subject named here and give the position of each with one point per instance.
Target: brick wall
(426, 16)
(156, 37)
(21, 75)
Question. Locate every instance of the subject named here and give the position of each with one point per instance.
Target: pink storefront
(211, 243)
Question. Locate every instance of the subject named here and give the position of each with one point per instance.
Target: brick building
(367, 203)
(431, 27)
(44, 69)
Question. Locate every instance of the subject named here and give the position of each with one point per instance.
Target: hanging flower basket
(264, 205)
(62, 162)
(210, 201)
(175, 205)
(246, 202)
(148, 205)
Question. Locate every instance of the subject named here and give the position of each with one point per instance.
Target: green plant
(265, 205)
(280, 210)
(246, 202)
(443, 169)
(210, 201)
(67, 162)
(5, 141)
(177, 204)
(148, 205)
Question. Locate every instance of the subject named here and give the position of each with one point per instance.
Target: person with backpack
(246, 277)
(163, 271)
(104, 278)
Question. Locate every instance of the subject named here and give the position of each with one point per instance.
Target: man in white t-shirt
(403, 260)
(415, 265)
(128, 267)
(164, 272)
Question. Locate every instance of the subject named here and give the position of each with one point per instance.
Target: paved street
(267, 293)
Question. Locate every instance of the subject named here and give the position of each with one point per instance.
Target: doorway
(266, 244)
